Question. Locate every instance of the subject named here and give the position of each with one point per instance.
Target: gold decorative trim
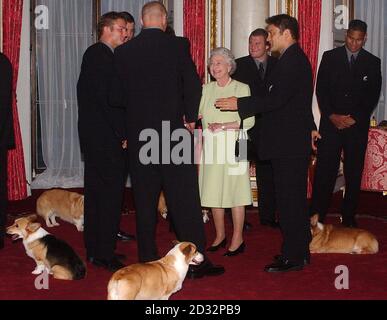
(291, 8)
(213, 23)
(223, 11)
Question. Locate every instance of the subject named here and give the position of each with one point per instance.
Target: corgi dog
(331, 239)
(69, 206)
(50, 254)
(163, 209)
(156, 280)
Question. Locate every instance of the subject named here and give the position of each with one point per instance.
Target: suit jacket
(247, 72)
(160, 82)
(100, 126)
(342, 91)
(7, 139)
(287, 119)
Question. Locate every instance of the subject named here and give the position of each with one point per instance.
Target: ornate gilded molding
(289, 7)
(213, 23)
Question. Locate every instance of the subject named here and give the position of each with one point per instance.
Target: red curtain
(12, 23)
(309, 17)
(194, 30)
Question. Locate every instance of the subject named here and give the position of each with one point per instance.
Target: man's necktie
(352, 62)
(261, 71)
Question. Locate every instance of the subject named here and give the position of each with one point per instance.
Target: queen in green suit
(223, 182)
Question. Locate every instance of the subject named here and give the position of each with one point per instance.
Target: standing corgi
(69, 206)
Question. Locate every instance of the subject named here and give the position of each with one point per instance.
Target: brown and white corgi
(69, 206)
(156, 280)
(50, 254)
(331, 239)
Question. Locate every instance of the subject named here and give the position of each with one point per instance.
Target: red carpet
(244, 278)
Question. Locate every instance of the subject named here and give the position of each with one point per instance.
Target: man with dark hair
(130, 25)
(161, 87)
(6, 136)
(254, 70)
(348, 89)
(285, 138)
(102, 139)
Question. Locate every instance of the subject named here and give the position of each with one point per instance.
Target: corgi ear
(188, 249)
(32, 227)
(32, 217)
(314, 220)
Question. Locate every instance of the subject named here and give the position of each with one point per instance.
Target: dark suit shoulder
(97, 49)
(246, 59)
(4, 61)
(370, 57)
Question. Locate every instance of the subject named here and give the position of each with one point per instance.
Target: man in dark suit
(254, 70)
(285, 137)
(6, 136)
(348, 89)
(161, 84)
(102, 139)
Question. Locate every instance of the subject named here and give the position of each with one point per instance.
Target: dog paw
(39, 270)
(80, 228)
(164, 215)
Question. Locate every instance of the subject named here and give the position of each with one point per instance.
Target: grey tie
(352, 62)
(261, 71)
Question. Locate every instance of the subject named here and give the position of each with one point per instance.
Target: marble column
(247, 15)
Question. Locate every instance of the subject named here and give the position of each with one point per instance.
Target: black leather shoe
(218, 246)
(234, 253)
(283, 266)
(123, 236)
(270, 223)
(280, 257)
(206, 268)
(349, 223)
(109, 264)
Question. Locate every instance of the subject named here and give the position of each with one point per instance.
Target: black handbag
(244, 147)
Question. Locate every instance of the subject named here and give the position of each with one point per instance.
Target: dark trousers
(290, 180)
(266, 193)
(104, 185)
(180, 186)
(3, 191)
(353, 142)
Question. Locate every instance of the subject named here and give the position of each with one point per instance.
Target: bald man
(161, 84)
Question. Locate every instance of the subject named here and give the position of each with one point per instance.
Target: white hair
(227, 55)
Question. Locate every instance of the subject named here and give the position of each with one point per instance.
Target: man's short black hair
(285, 22)
(127, 17)
(358, 25)
(107, 20)
(259, 33)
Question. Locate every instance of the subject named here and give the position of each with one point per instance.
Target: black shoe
(123, 236)
(283, 265)
(280, 257)
(349, 223)
(206, 268)
(234, 253)
(270, 223)
(218, 246)
(247, 226)
(109, 264)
